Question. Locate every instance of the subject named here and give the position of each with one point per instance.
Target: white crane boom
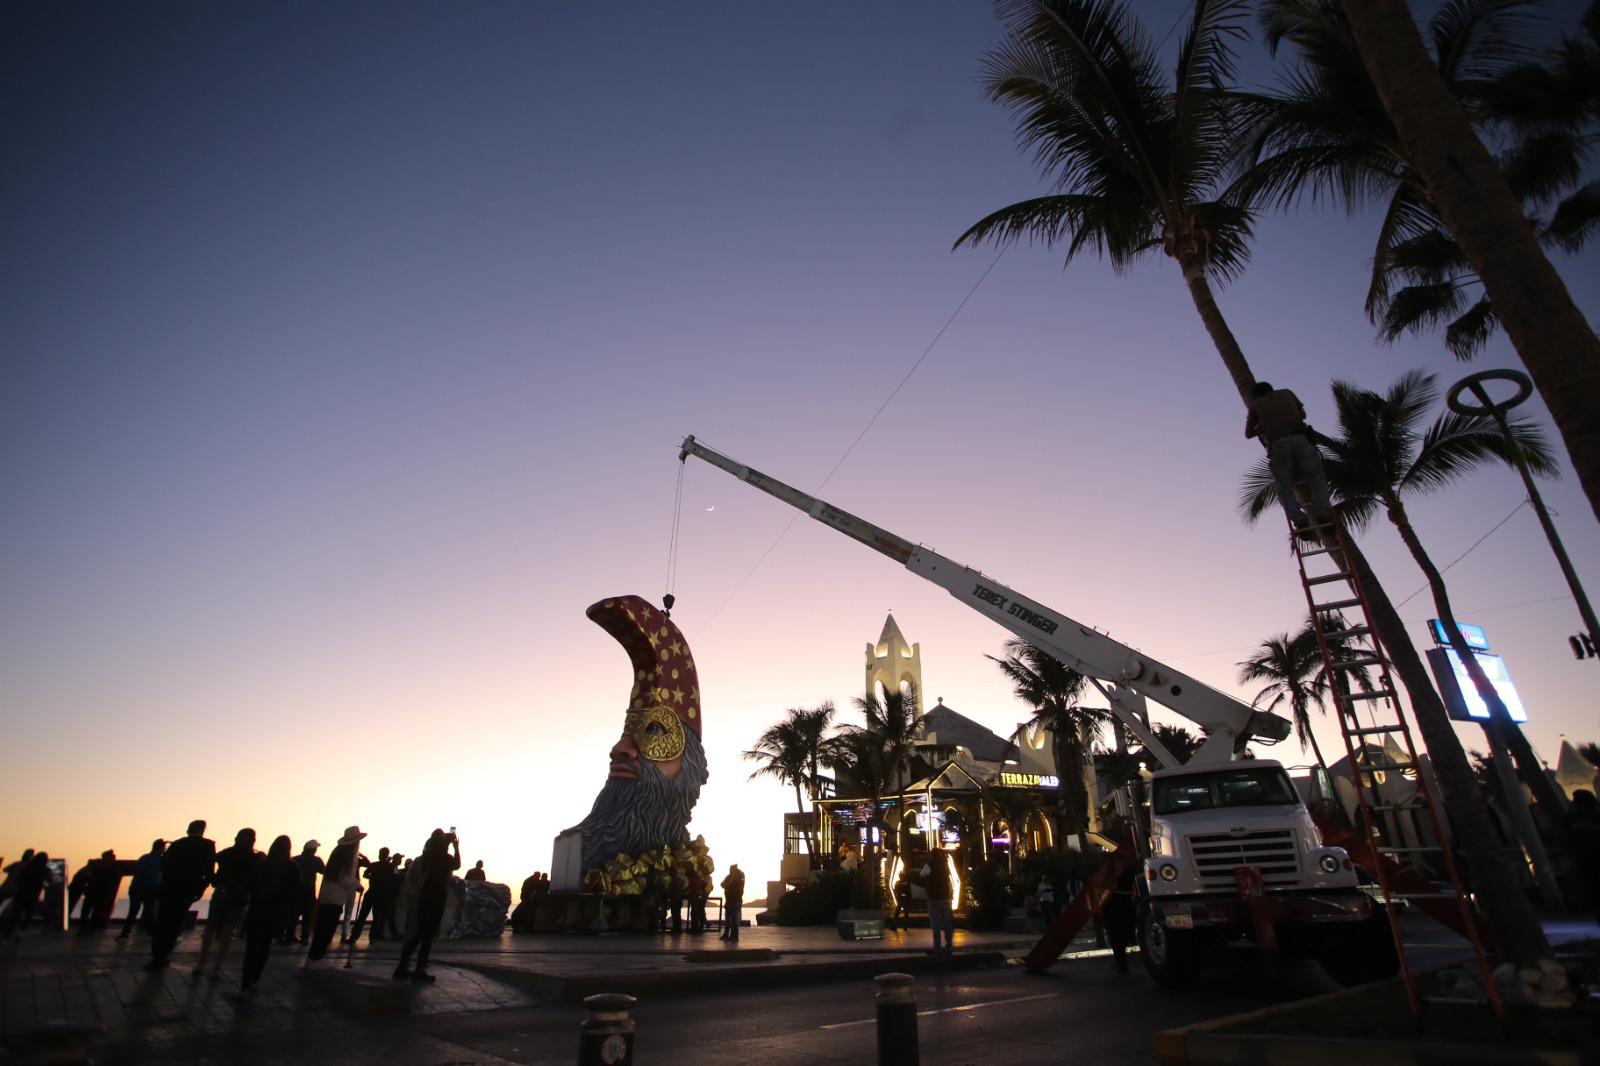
(1125, 676)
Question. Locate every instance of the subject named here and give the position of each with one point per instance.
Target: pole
(606, 1038)
(1522, 820)
(1497, 411)
(897, 1020)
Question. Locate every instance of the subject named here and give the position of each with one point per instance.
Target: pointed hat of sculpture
(663, 668)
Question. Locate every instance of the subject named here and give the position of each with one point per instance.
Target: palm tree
(1053, 690)
(1137, 161)
(1134, 162)
(856, 754)
(1291, 666)
(891, 725)
(1327, 133)
(1470, 194)
(1179, 741)
(1382, 457)
(791, 752)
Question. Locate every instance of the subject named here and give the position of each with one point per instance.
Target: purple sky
(347, 349)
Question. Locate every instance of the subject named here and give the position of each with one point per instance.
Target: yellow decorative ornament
(657, 732)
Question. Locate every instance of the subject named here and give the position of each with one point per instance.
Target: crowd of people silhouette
(275, 896)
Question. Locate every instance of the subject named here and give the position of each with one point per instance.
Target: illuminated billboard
(1473, 635)
(1461, 697)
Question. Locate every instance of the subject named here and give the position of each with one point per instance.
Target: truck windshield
(1255, 787)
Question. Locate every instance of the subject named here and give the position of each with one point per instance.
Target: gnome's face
(655, 734)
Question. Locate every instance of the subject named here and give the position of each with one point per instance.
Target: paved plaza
(501, 1001)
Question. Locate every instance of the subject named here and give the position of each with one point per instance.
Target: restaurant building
(969, 791)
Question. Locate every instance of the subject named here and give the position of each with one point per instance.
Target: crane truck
(1232, 852)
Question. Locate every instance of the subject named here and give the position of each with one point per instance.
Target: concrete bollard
(897, 1020)
(607, 1036)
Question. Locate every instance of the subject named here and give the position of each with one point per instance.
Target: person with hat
(340, 883)
(430, 876)
(310, 865)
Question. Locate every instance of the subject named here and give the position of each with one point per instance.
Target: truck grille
(1273, 850)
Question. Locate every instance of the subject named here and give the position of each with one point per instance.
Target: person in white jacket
(340, 883)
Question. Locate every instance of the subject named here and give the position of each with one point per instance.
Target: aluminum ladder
(1349, 653)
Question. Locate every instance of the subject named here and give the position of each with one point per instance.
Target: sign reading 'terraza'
(1016, 780)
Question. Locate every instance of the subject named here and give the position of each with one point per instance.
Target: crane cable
(672, 546)
(864, 429)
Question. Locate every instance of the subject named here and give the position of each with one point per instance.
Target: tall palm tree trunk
(1529, 768)
(1517, 932)
(1227, 345)
(1556, 343)
(1303, 714)
(1500, 726)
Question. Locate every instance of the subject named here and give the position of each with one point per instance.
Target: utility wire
(1466, 553)
(864, 430)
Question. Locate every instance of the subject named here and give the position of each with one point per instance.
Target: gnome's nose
(625, 756)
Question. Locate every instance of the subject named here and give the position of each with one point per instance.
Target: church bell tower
(891, 661)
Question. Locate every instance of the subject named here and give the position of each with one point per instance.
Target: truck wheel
(1171, 955)
(1361, 952)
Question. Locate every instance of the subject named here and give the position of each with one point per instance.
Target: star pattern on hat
(664, 669)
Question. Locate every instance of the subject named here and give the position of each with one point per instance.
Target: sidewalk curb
(700, 978)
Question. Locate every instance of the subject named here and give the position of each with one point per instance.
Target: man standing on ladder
(1278, 420)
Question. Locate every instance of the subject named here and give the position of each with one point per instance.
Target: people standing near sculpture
(935, 880)
(230, 894)
(274, 895)
(732, 903)
(142, 891)
(699, 888)
(33, 875)
(381, 876)
(102, 892)
(309, 865)
(431, 875)
(186, 869)
(8, 887)
(78, 892)
(340, 882)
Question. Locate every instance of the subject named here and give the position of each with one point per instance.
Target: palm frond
(1466, 336)
(1480, 39)
(1576, 219)
(1420, 307)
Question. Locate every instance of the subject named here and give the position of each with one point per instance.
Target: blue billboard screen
(1461, 697)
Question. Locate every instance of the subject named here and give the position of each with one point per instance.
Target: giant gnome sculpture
(641, 817)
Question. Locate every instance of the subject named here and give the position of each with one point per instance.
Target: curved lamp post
(1474, 383)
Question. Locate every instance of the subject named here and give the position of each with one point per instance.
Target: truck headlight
(1329, 864)
(1167, 871)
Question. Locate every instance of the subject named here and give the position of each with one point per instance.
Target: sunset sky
(347, 350)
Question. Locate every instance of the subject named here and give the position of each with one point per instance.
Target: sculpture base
(586, 912)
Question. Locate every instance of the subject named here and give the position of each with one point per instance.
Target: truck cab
(1234, 855)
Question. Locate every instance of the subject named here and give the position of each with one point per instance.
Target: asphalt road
(1081, 1012)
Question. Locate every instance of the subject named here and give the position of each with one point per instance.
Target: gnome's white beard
(631, 816)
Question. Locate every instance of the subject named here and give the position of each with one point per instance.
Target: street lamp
(1583, 644)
